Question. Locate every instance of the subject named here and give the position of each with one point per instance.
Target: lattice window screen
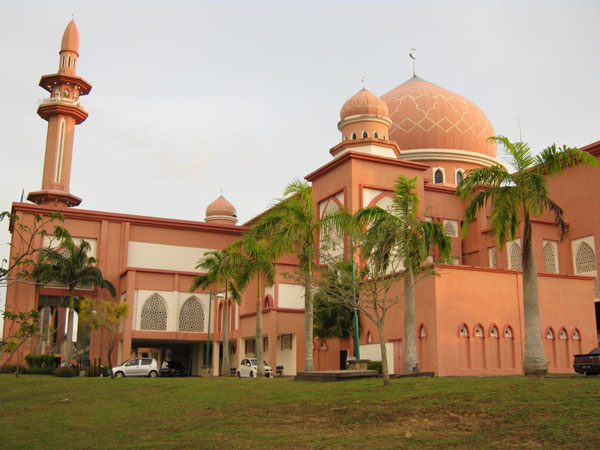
(549, 258)
(191, 316)
(154, 314)
(515, 257)
(585, 259)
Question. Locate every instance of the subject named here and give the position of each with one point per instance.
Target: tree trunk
(308, 324)
(411, 359)
(69, 342)
(111, 346)
(384, 364)
(225, 365)
(534, 360)
(259, 334)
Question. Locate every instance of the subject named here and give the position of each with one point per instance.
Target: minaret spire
(63, 111)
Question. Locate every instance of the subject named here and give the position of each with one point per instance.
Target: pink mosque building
(469, 319)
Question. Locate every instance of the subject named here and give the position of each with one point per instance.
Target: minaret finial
(414, 58)
(221, 190)
(363, 79)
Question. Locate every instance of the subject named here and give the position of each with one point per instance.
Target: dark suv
(173, 369)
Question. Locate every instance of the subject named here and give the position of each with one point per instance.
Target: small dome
(70, 40)
(221, 210)
(364, 102)
(426, 116)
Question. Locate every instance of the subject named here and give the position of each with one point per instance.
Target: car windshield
(254, 362)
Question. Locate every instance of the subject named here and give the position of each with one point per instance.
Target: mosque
(469, 320)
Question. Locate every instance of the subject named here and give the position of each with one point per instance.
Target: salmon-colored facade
(469, 320)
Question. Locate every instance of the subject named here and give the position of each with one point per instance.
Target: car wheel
(239, 374)
(251, 374)
(119, 374)
(153, 374)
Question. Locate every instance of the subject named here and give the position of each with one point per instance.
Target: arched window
(438, 177)
(464, 331)
(459, 176)
(450, 228)
(353, 136)
(549, 333)
(369, 337)
(515, 256)
(492, 257)
(585, 259)
(563, 334)
(549, 258)
(575, 335)
(376, 135)
(154, 314)
(365, 134)
(423, 332)
(69, 63)
(191, 316)
(479, 331)
(494, 331)
(508, 333)
(268, 301)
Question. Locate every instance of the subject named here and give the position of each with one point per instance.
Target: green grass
(38, 411)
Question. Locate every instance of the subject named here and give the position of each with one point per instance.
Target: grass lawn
(39, 411)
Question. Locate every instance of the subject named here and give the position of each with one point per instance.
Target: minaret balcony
(62, 105)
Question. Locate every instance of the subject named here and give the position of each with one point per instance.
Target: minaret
(63, 111)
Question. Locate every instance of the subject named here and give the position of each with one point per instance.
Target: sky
(193, 97)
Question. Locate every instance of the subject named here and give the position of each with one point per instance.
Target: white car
(249, 368)
(137, 367)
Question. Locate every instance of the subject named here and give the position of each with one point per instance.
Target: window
(353, 136)
(365, 134)
(376, 135)
(154, 314)
(438, 176)
(451, 228)
(146, 361)
(464, 332)
(549, 333)
(250, 346)
(515, 258)
(265, 344)
(69, 63)
(576, 335)
(479, 331)
(494, 332)
(550, 265)
(508, 333)
(191, 316)
(459, 177)
(492, 257)
(423, 332)
(585, 260)
(286, 342)
(369, 337)
(563, 333)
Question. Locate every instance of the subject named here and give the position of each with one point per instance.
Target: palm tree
(70, 266)
(415, 241)
(220, 272)
(254, 258)
(514, 198)
(292, 226)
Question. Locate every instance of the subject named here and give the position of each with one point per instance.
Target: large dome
(426, 116)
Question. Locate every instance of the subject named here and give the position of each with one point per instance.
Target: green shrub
(12, 368)
(375, 365)
(39, 361)
(66, 372)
